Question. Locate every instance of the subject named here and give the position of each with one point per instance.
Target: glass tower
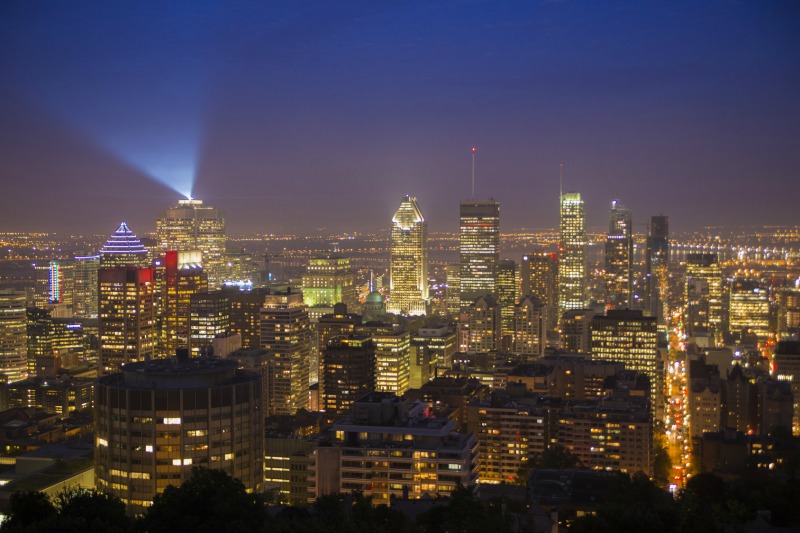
(572, 250)
(408, 264)
(480, 249)
(619, 258)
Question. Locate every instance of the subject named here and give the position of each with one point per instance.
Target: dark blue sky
(300, 115)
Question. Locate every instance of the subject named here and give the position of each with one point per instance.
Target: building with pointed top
(123, 249)
(408, 262)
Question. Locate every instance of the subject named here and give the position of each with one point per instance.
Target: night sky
(292, 116)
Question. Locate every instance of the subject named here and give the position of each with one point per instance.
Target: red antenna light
(474, 149)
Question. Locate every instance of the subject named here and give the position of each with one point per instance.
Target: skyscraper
(85, 287)
(572, 254)
(329, 279)
(619, 258)
(183, 277)
(190, 225)
(657, 266)
(123, 248)
(126, 313)
(538, 277)
(408, 261)
(480, 249)
(703, 270)
(750, 309)
(507, 297)
(13, 335)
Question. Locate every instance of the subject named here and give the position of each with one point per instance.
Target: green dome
(374, 298)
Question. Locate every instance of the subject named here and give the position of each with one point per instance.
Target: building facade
(479, 244)
(619, 258)
(572, 254)
(408, 260)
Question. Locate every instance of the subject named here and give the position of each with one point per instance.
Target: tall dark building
(619, 258)
(657, 267)
(538, 277)
(348, 372)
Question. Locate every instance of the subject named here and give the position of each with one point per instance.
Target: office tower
(123, 249)
(245, 314)
(657, 268)
(41, 284)
(329, 279)
(787, 368)
(62, 282)
(484, 325)
(480, 249)
(576, 331)
(126, 313)
(434, 347)
(408, 260)
(183, 277)
(631, 338)
(190, 225)
(619, 258)
(572, 254)
(340, 323)
(286, 335)
(209, 318)
(392, 359)
(13, 336)
(704, 396)
(366, 456)
(39, 331)
(452, 294)
(538, 277)
(704, 267)
(85, 287)
(156, 421)
(507, 297)
(347, 372)
(749, 309)
(529, 327)
(789, 309)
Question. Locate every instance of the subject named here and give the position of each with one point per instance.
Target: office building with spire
(572, 254)
(408, 260)
(619, 258)
(479, 244)
(190, 225)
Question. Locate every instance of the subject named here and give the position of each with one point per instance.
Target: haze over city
(296, 116)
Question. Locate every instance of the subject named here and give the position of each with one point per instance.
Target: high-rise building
(156, 421)
(392, 359)
(787, 368)
(329, 279)
(408, 260)
(85, 287)
(209, 318)
(190, 225)
(123, 249)
(572, 254)
(538, 277)
(62, 282)
(619, 258)
(749, 309)
(126, 316)
(13, 336)
(348, 372)
(529, 328)
(705, 268)
(631, 338)
(484, 323)
(286, 335)
(507, 297)
(183, 278)
(246, 314)
(452, 294)
(480, 249)
(576, 331)
(657, 268)
(789, 309)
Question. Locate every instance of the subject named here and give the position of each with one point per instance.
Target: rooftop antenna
(561, 182)
(474, 149)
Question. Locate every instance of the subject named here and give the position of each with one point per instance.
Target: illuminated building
(576, 331)
(787, 368)
(507, 297)
(565, 376)
(408, 260)
(484, 323)
(529, 327)
(246, 314)
(479, 244)
(155, 421)
(657, 268)
(13, 336)
(572, 254)
(704, 292)
(348, 372)
(286, 335)
(705, 398)
(337, 324)
(41, 284)
(511, 432)
(632, 339)
(619, 258)
(62, 282)
(123, 249)
(749, 309)
(57, 396)
(538, 277)
(85, 287)
(390, 447)
(452, 295)
(329, 280)
(183, 277)
(126, 315)
(392, 358)
(432, 348)
(789, 309)
(190, 225)
(209, 318)
(374, 308)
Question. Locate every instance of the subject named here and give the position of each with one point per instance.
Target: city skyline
(267, 111)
